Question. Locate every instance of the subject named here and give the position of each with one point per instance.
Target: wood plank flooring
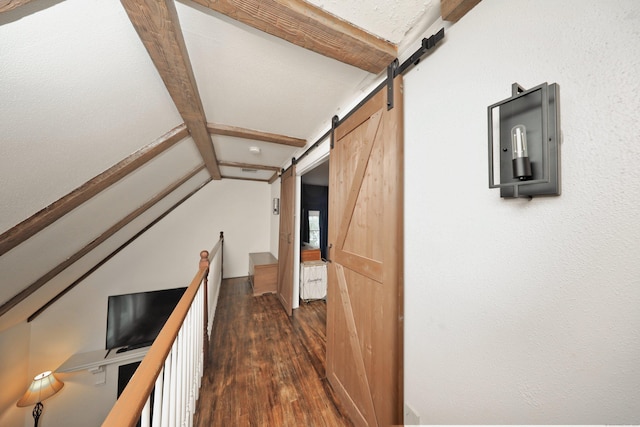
(265, 369)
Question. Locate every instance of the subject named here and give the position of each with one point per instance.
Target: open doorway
(314, 211)
(313, 229)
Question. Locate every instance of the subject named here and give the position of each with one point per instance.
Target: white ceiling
(79, 93)
(318, 175)
(388, 19)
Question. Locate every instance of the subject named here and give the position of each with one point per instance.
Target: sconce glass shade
(520, 153)
(44, 385)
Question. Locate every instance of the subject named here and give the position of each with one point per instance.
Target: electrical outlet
(411, 417)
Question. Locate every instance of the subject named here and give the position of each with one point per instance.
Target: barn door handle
(329, 247)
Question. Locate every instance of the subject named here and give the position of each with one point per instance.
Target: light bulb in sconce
(520, 156)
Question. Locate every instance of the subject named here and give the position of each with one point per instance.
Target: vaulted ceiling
(112, 111)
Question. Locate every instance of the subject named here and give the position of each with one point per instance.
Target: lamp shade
(44, 385)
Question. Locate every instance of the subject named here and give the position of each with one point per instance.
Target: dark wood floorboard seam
(264, 368)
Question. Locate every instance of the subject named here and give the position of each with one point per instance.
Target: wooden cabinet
(309, 253)
(263, 272)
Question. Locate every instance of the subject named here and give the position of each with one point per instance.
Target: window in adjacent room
(314, 228)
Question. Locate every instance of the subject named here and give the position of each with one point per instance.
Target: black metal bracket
(516, 89)
(394, 68)
(335, 120)
(392, 72)
(427, 44)
(293, 161)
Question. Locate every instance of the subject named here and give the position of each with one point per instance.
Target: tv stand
(96, 361)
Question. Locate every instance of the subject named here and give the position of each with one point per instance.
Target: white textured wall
(14, 368)
(525, 311)
(164, 257)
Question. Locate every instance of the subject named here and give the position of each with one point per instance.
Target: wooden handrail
(217, 247)
(128, 407)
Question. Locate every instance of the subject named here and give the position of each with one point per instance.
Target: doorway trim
(319, 155)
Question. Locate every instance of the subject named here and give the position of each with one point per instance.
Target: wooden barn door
(365, 306)
(285, 245)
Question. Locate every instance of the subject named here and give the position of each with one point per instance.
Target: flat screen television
(134, 320)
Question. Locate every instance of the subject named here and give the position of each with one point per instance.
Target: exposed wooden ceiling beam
(312, 28)
(238, 178)
(157, 24)
(38, 221)
(44, 279)
(453, 10)
(218, 129)
(248, 166)
(125, 244)
(7, 5)
(274, 177)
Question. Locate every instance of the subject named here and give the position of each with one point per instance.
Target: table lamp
(44, 385)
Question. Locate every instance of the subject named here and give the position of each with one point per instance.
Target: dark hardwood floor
(265, 369)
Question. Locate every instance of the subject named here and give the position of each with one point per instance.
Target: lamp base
(37, 411)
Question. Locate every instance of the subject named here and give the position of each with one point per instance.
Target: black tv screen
(134, 320)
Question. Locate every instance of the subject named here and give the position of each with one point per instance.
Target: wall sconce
(524, 142)
(276, 206)
(43, 386)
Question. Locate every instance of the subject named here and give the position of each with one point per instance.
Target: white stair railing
(165, 388)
